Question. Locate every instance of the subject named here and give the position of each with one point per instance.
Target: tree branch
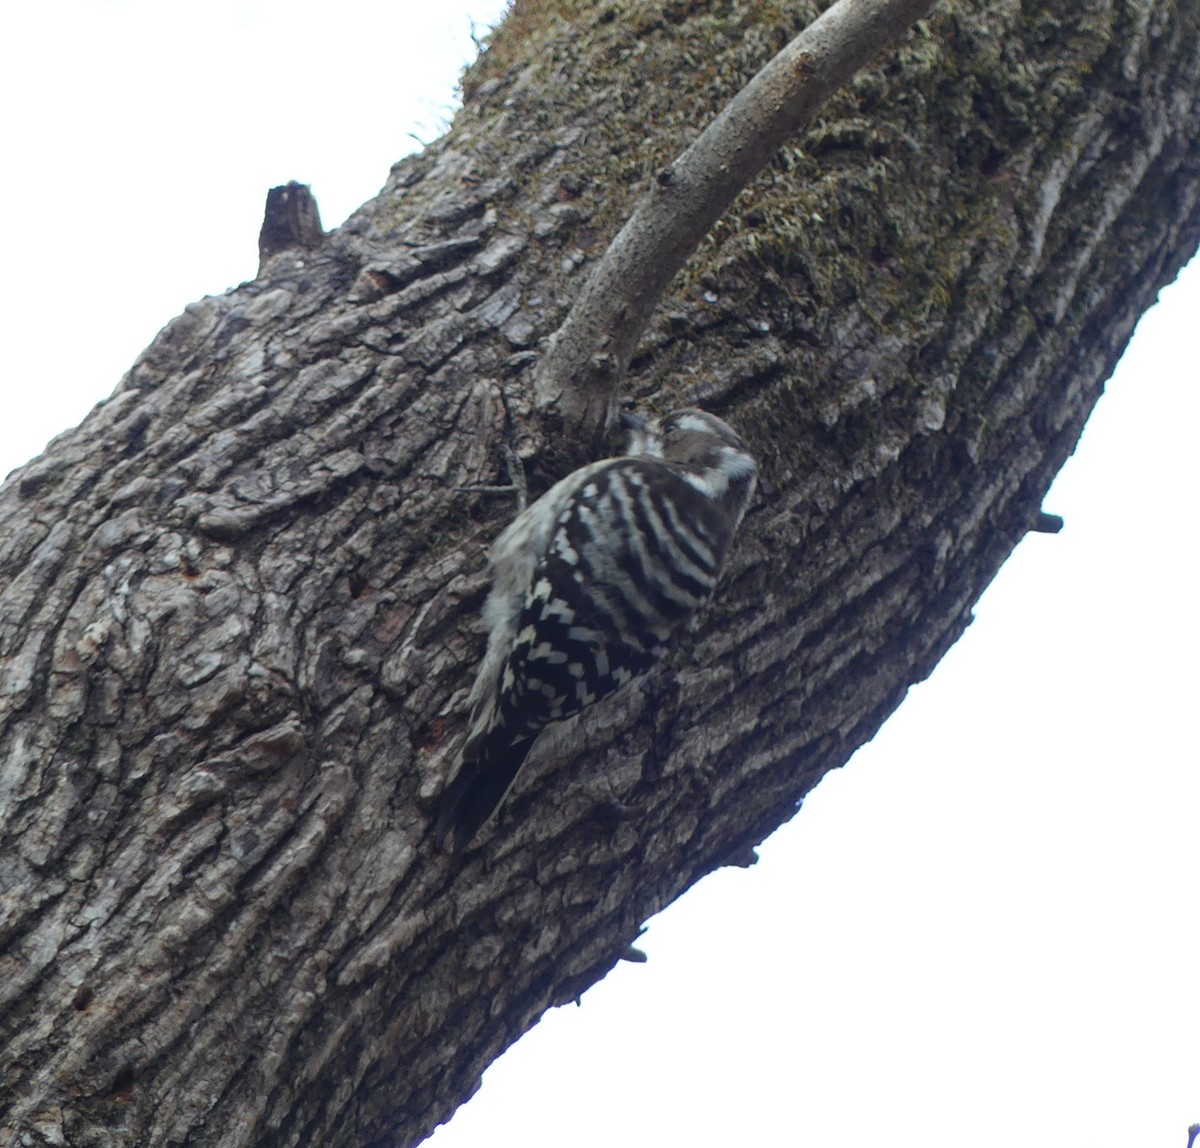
(581, 373)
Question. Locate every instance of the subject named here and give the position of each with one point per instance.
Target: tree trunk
(238, 604)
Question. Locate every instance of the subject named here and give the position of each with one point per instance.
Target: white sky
(984, 931)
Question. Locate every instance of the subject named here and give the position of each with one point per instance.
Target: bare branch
(581, 373)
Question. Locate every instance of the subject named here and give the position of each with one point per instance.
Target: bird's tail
(481, 784)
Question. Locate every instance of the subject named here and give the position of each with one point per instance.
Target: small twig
(479, 41)
(518, 485)
(474, 489)
(516, 475)
(1046, 523)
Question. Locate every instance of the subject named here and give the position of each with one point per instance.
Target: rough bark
(238, 603)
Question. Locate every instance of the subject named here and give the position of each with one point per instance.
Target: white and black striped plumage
(589, 586)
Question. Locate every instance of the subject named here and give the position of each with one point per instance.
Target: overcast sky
(985, 930)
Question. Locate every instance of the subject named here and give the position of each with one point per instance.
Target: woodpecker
(590, 584)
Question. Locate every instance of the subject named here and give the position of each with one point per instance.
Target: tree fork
(580, 375)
